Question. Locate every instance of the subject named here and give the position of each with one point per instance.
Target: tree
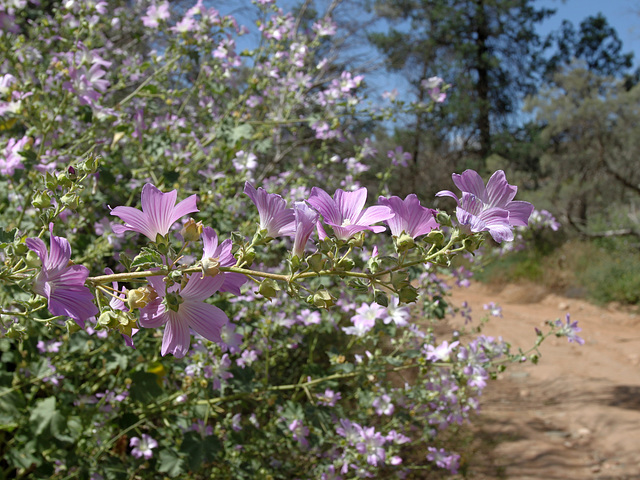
(487, 49)
(592, 125)
(596, 44)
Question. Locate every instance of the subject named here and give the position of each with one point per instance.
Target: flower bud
(443, 219)
(435, 237)
(268, 288)
(345, 264)
(51, 182)
(210, 267)
(405, 242)
(191, 231)
(125, 323)
(70, 200)
(15, 331)
(63, 180)
(41, 200)
(107, 319)
(323, 299)
(140, 297)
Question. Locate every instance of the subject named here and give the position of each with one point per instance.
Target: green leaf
(146, 259)
(144, 387)
(42, 414)
(193, 447)
(59, 428)
(170, 463)
(116, 360)
(7, 237)
(241, 132)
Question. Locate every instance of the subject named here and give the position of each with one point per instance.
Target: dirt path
(575, 415)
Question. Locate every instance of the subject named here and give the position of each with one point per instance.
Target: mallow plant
(194, 282)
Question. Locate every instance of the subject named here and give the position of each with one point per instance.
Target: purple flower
(300, 432)
(329, 398)
(159, 212)
(396, 314)
(371, 444)
(275, 217)
(142, 446)
(569, 330)
(432, 86)
(12, 159)
(494, 310)
(410, 217)
(345, 212)
(383, 405)
(155, 13)
(365, 319)
(444, 459)
(62, 284)
(441, 353)
(399, 157)
(489, 208)
(215, 254)
(305, 222)
(180, 308)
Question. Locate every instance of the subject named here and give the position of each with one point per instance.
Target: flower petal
(321, 201)
(375, 214)
(206, 320)
(154, 315)
(519, 213)
(185, 207)
(350, 204)
(232, 282)
(158, 207)
(134, 220)
(470, 181)
(199, 288)
(499, 192)
(177, 338)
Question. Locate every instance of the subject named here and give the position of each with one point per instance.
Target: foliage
(591, 125)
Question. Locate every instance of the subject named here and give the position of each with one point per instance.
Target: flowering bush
(170, 324)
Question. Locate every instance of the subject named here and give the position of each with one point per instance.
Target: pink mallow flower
(410, 217)
(489, 208)
(180, 308)
(12, 160)
(156, 13)
(159, 213)
(221, 253)
(275, 217)
(305, 222)
(569, 329)
(365, 319)
(142, 446)
(60, 283)
(346, 214)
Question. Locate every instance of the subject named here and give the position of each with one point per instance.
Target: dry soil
(575, 415)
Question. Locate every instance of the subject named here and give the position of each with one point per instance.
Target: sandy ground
(575, 415)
